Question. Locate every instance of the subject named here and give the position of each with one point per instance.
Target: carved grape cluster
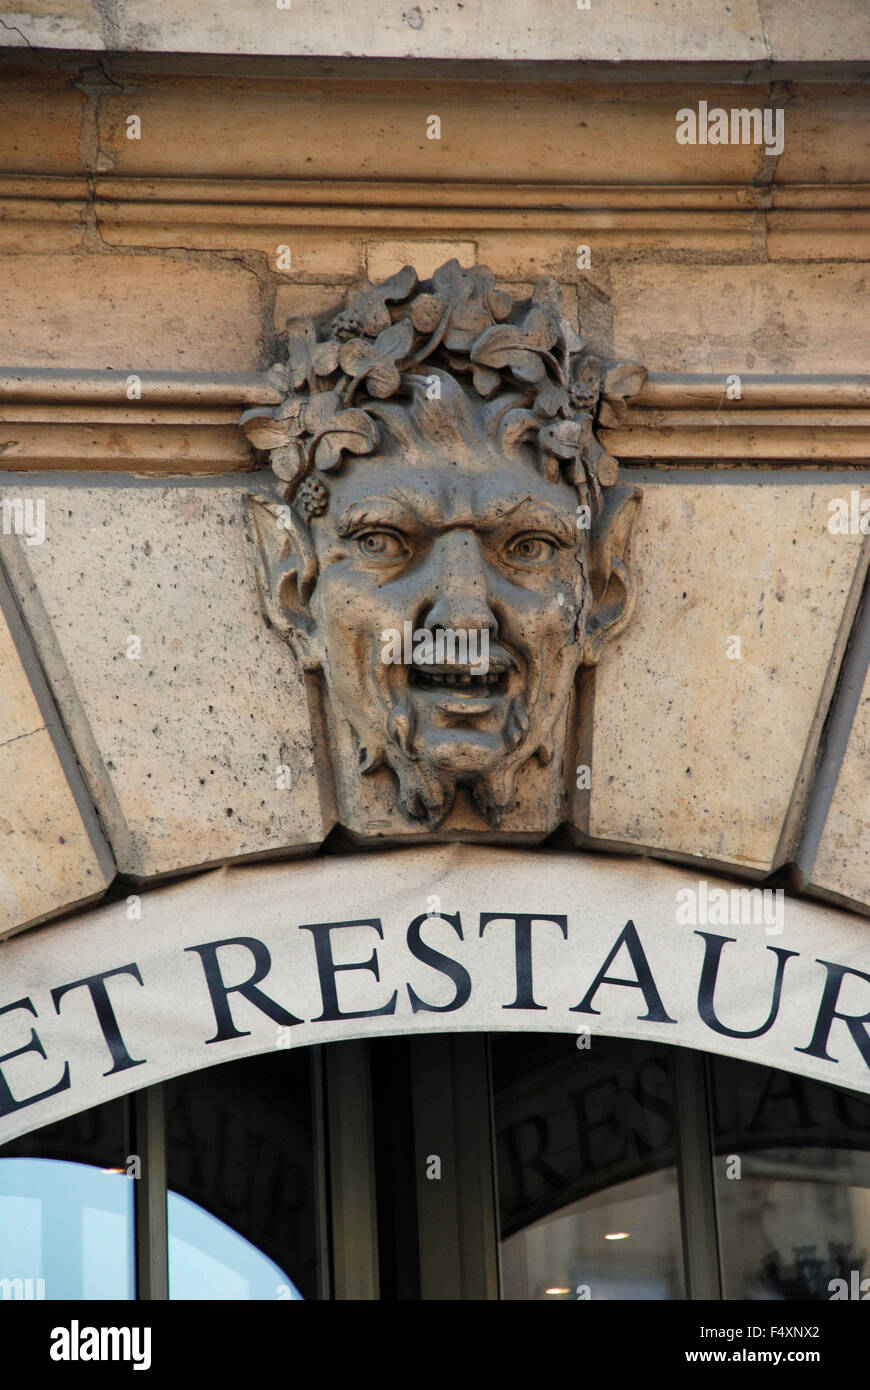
(459, 323)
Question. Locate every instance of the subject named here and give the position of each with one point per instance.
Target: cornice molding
(812, 222)
(187, 423)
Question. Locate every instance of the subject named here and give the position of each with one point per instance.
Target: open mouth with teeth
(474, 682)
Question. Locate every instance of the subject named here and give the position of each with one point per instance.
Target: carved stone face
(436, 445)
(469, 542)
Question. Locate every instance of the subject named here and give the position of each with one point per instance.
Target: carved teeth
(457, 678)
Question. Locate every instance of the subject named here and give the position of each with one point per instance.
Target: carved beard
(427, 791)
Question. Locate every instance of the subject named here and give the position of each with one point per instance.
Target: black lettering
(220, 991)
(780, 1087)
(8, 1103)
(523, 949)
(629, 938)
(712, 954)
(451, 968)
(327, 969)
(856, 1023)
(518, 1166)
(96, 985)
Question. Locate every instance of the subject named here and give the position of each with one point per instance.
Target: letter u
(712, 953)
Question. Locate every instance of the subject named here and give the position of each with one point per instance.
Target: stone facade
(164, 218)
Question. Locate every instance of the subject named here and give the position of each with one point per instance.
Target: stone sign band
(443, 939)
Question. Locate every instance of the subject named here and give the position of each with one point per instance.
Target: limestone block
(303, 301)
(693, 752)
(40, 125)
(825, 133)
(47, 860)
(802, 31)
(843, 858)
(367, 130)
(137, 312)
(181, 744)
(385, 258)
(737, 318)
(691, 30)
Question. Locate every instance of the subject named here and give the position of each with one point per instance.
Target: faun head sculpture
(449, 547)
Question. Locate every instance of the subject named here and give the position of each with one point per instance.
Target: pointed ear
(286, 569)
(613, 587)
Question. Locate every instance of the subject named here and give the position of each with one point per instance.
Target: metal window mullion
(458, 1231)
(321, 1185)
(694, 1151)
(151, 1224)
(350, 1132)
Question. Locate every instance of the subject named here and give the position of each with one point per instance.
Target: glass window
(242, 1206)
(587, 1185)
(66, 1209)
(792, 1173)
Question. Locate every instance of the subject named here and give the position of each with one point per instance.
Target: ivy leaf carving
(350, 430)
(319, 410)
(288, 462)
(467, 322)
(375, 363)
(486, 382)
(504, 345)
(370, 304)
(539, 329)
(551, 400)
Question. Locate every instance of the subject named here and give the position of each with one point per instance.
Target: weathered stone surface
(135, 312)
(805, 33)
(824, 133)
(842, 863)
(742, 318)
(370, 129)
(47, 860)
(695, 29)
(181, 745)
(384, 258)
(302, 301)
(46, 139)
(693, 752)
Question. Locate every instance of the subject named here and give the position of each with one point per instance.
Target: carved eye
(381, 545)
(531, 550)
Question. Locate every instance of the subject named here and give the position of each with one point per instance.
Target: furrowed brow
(533, 515)
(379, 510)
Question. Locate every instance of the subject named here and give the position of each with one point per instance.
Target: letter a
(688, 133)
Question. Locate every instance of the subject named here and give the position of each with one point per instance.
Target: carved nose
(460, 590)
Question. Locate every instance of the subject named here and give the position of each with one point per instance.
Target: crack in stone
(13, 29)
(6, 742)
(764, 37)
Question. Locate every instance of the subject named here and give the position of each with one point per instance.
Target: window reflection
(66, 1210)
(241, 1173)
(205, 1253)
(792, 1173)
(587, 1188)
